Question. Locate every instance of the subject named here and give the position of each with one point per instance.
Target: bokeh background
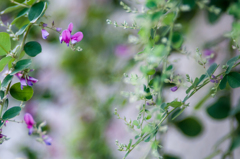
(77, 92)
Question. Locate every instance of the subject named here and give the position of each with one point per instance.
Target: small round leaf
(32, 48)
(21, 94)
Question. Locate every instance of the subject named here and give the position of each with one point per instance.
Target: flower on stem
(174, 89)
(30, 122)
(45, 34)
(214, 79)
(67, 37)
(58, 29)
(25, 80)
(210, 54)
(47, 140)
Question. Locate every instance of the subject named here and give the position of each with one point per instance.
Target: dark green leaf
(177, 113)
(231, 62)
(223, 83)
(22, 30)
(21, 94)
(212, 69)
(151, 5)
(5, 106)
(175, 104)
(32, 48)
(220, 109)
(36, 11)
(201, 78)
(190, 126)
(1, 94)
(233, 79)
(168, 156)
(177, 40)
(6, 81)
(21, 65)
(190, 3)
(11, 113)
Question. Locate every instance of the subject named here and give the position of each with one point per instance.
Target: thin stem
(20, 4)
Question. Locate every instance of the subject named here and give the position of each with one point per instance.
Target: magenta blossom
(30, 122)
(47, 140)
(67, 37)
(174, 89)
(45, 34)
(27, 80)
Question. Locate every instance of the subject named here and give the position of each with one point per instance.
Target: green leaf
(135, 122)
(175, 104)
(201, 78)
(37, 11)
(223, 83)
(1, 94)
(11, 113)
(212, 69)
(32, 48)
(177, 40)
(190, 126)
(5, 43)
(19, 22)
(190, 3)
(22, 30)
(10, 63)
(21, 65)
(177, 113)
(231, 62)
(233, 79)
(169, 18)
(6, 81)
(130, 143)
(4, 61)
(169, 156)
(151, 5)
(11, 9)
(21, 94)
(1, 123)
(220, 109)
(30, 2)
(235, 142)
(234, 10)
(5, 106)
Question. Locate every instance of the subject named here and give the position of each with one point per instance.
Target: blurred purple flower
(30, 122)
(210, 54)
(174, 89)
(44, 25)
(67, 37)
(58, 29)
(47, 140)
(121, 50)
(27, 80)
(215, 79)
(45, 34)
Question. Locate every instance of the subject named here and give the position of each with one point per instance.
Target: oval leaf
(190, 126)
(36, 11)
(11, 113)
(4, 61)
(5, 43)
(220, 109)
(11, 9)
(32, 48)
(234, 79)
(6, 81)
(21, 94)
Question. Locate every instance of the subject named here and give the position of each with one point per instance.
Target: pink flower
(27, 80)
(30, 122)
(67, 37)
(45, 34)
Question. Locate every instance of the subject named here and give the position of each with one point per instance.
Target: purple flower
(122, 50)
(210, 54)
(67, 37)
(58, 29)
(30, 122)
(45, 34)
(215, 79)
(47, 140)
(27, 80)
(44, 25)
(174, 89)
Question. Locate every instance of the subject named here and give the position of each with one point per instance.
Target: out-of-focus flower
(27, 80)
(44, 25)
(122, 50)
(214, 79)
(47, 140)
(210, 55)
(45, 34)
(30, 122)
(58, 29)
(174, 89)
(67, 37)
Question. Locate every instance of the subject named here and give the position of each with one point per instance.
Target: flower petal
(23, 82)
(34, 80)
(173, 89)
(70, 27)
(77, 37)
(58, 29)
(45, 34)
(66, 36)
